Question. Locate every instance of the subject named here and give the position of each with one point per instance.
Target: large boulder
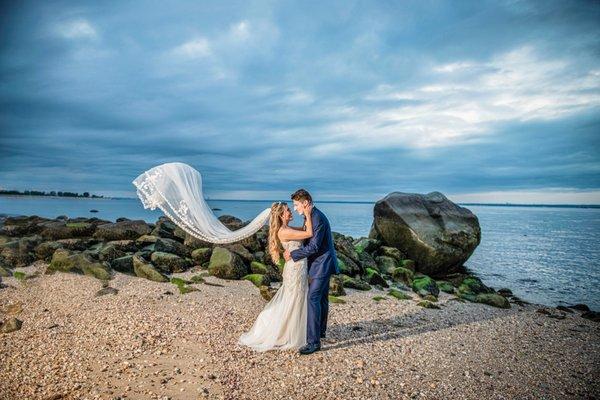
(436, 233)
(22, 225)
(122, 230)
(226, 264)
(65, 229)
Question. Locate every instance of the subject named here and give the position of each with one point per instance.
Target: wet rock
(374, 278)
(366, 245)
(267, 292)
(473, 285)
(336, 286)
(165, 228)
(106, 290)
(145, 270)
(122, 230)
(386, 265)
(493, 299)
(170, 263)
(403, 275)
(399, 294)
(201, 255)
(22, 225)
(109, 252)
(226, 264)
(424, 285)
(352, 283)
(171, 246)
(392, 252)
(10, 325)
(591, 315)
(123, 264)
(65, 261)
(258, 280)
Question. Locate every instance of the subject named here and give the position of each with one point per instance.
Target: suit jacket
(319, 249)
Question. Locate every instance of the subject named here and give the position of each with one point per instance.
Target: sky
(484, 101)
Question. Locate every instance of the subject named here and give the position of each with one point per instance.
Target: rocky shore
(128, 309)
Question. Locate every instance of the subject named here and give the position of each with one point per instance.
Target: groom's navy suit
(322, 263)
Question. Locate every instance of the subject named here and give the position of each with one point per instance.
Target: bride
(176, 188)
(281, 324)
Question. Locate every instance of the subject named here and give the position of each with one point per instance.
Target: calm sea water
(545, 255)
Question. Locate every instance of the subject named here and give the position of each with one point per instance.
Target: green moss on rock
(226, 264)
(424, 285)
(399, 294)
(334, 299)
(257, 280)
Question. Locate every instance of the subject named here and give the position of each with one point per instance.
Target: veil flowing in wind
(176, 188)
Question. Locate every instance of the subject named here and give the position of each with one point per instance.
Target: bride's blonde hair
(275, 222)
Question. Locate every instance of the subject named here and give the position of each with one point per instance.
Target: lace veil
(176, 188)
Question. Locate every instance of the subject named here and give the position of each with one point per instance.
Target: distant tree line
(51, 193)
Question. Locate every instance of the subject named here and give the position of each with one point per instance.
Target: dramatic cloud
(485, 101)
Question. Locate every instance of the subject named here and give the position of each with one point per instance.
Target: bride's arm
(295, 234)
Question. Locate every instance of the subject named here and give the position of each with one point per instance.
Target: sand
(144, 343)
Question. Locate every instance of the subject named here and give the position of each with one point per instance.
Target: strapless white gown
(281, 324)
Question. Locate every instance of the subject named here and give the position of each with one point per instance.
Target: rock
(231, 222)
(22, 225)
(336, 300)
(445, 286)
(145, 270)
(165, 228)
(352, 283)
(366, 245)
(493, 299)
(267, 292)
(106, 290)
(409, 264)
(45, 250)
(191, 241)
(122, 230)
(124, 245)
(561, 308)
(392, 252)
(66, 229)
(10, 325)
(226, 264)
(591, 315)
(343, 244)
(386, 264)
(428, 304)
(430, 297)
(336, 286)
(580, 307)
(12, 254)
(258, 268)
(366, 261)
(171, 246)
(109, 252)
(378, 298)
(63, 260)
(430, 229)
(374, 278)
(123, 264)
(258, 279)
(241, 251)
(145, 240)
(505, 292)
(347, 265)
(168, 262)
(398, 294)
(473, 285)
(424, 285)
(403, 275)
(5, 272)
(201, 255)
(77, 244)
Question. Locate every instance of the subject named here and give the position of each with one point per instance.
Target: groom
(322, 263)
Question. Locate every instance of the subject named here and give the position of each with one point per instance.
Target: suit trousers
(318, 308)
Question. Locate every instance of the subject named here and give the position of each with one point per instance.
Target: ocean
(546, 255)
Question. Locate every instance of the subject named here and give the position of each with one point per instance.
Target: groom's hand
(287, 255)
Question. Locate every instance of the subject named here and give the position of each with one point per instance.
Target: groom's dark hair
(300, 195)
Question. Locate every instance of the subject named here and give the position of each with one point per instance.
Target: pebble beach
(144, 340)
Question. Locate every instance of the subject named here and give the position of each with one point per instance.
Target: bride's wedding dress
(281, 324)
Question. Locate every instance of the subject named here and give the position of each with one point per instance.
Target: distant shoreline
(321, 201)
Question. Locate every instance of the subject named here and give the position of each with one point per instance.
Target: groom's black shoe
(309, 349)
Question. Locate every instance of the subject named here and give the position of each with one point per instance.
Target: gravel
(140, 343)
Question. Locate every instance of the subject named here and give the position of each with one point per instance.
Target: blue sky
(484, 101)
